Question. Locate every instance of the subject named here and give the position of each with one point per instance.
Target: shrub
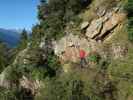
(130, 34)
(13, 74)
(15, 94)
(121, 72)
(67, 87)
(54, 15)
(129, 9)
(37, 33)
(6, 55)
(38, 73)
(23, 40)
(6, 94)
(94, 57)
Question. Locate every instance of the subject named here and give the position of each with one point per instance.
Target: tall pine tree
(23, 40)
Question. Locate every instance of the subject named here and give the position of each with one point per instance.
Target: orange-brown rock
(112, 22)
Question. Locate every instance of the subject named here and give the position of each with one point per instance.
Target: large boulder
(94, 28)
(115, 19)
(97, 25)
(101, 27)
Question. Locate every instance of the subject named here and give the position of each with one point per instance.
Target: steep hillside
(10, 37)
(51, 66)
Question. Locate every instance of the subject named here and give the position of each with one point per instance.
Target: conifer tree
(23, 40)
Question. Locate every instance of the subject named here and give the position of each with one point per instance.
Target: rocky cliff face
(68, 47)
(94, 34)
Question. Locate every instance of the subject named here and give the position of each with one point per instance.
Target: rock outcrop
(30, 56)
(24, 82)
(3, 81)
(97, 30)
(101, 27)
(111, 23)
(68, 47)
(31, 85)
(94, 28)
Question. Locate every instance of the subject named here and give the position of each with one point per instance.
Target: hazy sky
(18, 14)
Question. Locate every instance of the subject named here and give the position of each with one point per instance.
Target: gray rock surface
(94, 28)
(115, 19)
(3, 81)
(31, 85)
(99, 27)
(68, 47)
(84, 25)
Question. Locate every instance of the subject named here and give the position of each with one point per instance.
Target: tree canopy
(54, 14)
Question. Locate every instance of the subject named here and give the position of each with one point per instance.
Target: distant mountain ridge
(10, 37)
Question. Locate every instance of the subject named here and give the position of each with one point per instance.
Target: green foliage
(54, 15)
(121, 71)
(13, 74)
(3, 61)
(39, 63)
(53, 62)
(23, 40)
(94, 57)
(55, 26)
(15, 94)
(102, 87)
(37, 33)
(6, 94)
(70, 86)
(129, 9)
(51, 66)
(6, 56)
(38, 73)
(130, 30)
(42, 64)
(67, 87)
